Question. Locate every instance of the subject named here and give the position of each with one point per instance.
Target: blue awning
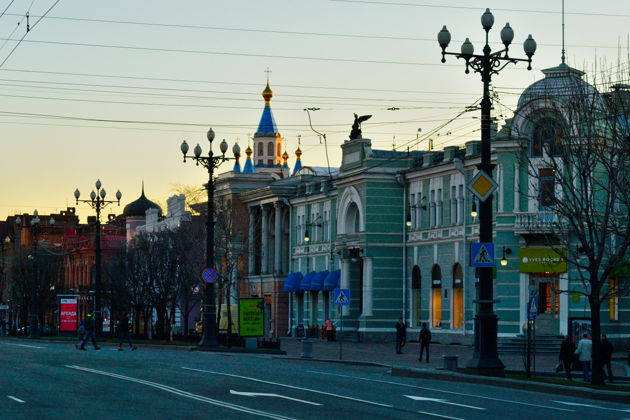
(332, 280)
(305, 283)
(292, 282)
(317, 283)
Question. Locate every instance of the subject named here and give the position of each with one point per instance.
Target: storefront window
(436, 296)
(416, 284)
(458, 296)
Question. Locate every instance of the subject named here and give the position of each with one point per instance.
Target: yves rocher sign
(68, 314)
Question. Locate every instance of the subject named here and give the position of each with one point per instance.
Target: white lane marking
(439, 415)
(24, 345)
(266, 394)
(599, 407)
(291, 386)
(183, 393)
(441, 401)
(15, 399)
(441, 390)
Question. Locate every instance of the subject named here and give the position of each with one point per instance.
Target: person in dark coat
(425, 340)
(125, 333)
(607, 351)
(401, 335)
(567, 353)
(90, 326)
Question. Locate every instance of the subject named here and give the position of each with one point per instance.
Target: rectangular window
(453, 205)
(432, 210)
(412, 209)
(439, 215)
(546, 188)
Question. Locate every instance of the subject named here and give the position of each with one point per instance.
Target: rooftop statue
(356, 127)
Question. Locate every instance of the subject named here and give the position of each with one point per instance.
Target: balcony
(538, 222)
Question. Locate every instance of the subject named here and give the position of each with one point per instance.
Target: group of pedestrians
(424, 339)
(88, 327)
(584, 354)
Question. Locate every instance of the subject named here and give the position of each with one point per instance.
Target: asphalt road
(55, 381)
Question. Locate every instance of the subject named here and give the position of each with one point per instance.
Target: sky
(108, 90)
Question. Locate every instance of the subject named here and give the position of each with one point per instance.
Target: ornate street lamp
(210, 162)
(97, 202)
(485, 359)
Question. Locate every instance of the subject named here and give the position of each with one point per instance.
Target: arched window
(270, 149)
(416, 295)
(261, 150)
(278, 149)
(436, 296)
(352, 223)
(458, 296)
(547, 136)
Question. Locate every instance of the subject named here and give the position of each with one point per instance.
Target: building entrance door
(545, 287)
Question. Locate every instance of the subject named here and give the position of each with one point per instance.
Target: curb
(237, 350)
(596, 394)
(343, 362)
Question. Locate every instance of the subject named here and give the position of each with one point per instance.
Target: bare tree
(579, 170)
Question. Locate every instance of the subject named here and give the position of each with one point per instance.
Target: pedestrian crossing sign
(342, 297)
(482, 254)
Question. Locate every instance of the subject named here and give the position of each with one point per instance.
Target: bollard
(450, 362)
(307, 348)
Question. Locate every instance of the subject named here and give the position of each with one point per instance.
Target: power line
(27, 31)
(239, 54)
(385, 3)
(272, 31)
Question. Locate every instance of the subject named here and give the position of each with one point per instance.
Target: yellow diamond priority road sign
(482, 185)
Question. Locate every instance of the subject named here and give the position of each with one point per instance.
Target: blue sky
(110, 89)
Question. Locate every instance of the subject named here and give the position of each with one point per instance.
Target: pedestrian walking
(3, 327)
(401, 335)
(567, 353)
(607, 351)
(330, 330)
(425, 340)
(125, 333)
(89, 333)
(584, 351)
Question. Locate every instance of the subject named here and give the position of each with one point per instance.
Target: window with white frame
(453, 205)
(432, 208)
(461, 210)
(412, 210)
(439, 211)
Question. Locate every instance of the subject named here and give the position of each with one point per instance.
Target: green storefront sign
(251, 317)
(542, 260)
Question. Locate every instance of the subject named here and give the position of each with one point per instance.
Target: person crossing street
(425, 340)
(89, 333)
(125, 333)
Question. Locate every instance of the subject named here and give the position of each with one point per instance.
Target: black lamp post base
(208, 342)
(33, 328)
(485, 360)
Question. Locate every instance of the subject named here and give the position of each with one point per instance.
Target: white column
(367, 286)
(277, 255)
(264, 239)
(564, 303)
(251, 233)
(344, 282)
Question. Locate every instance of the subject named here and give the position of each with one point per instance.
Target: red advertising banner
(68, 314)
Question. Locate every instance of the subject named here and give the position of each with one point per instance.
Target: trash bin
(307, 348)
(450, 362)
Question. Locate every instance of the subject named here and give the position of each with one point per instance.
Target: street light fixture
(506, 251)
(210, 162)
(485, 359)
(97, 202)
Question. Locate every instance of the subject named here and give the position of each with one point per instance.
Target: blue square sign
(482, 254)
(342, 297)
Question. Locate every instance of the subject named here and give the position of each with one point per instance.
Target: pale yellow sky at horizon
(108, 90)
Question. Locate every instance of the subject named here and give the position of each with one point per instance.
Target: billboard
(251, 317)
(542, 260)
(68, 314)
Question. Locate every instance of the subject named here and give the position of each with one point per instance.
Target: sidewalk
(385, 354)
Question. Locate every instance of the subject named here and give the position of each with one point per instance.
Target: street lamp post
(485, 359)
(97, 202)
(210, 162)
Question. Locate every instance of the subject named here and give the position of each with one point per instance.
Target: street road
(55, 381)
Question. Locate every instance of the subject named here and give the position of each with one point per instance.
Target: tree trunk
(229, 318)
(596, 361)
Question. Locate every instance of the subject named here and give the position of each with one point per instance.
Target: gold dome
(267, 94)
(248, 151)
(298, 153)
